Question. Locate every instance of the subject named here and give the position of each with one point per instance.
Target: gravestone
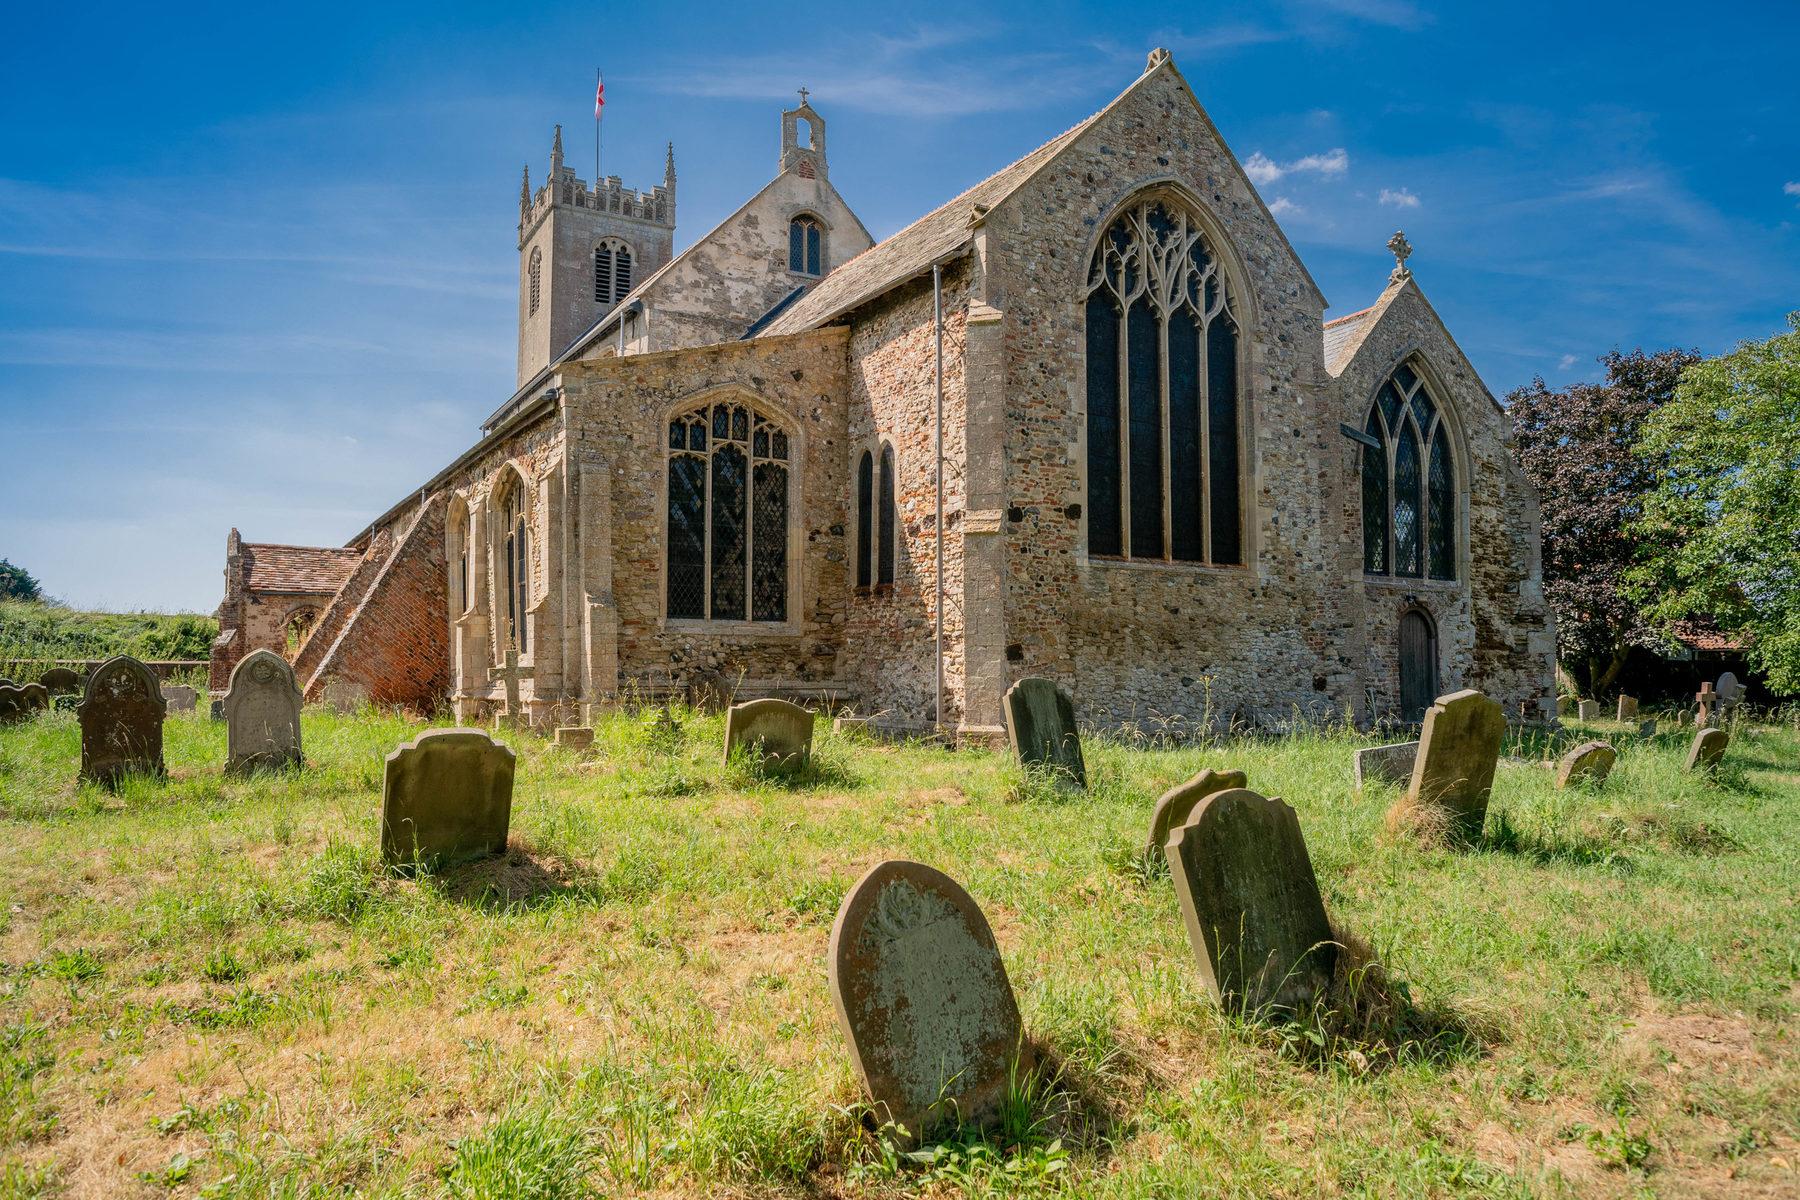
(574, 737)
(511, 673)
(1647, 729)
(22, 702)
(854, 727)
(1628, 708)
(708, 691)
(181, 697)
(60, 681)
(1731, 692)
(1454, 772)
(262, 714)
(1682, 716)
(121, 716)
(1178, 803)
(1590, 760)
(1588, 710)
(345, 697)
(1251, 902)
(1040, 725)
(1708, 748)
(216, 710)
(446, 797)
(923, 999)
(1706, 706)
(1385, 764)
(780, 732)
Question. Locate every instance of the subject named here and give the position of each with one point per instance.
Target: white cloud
(1568, 360)
(1264, 170)
(1791, 189)
(1283, 207)
(1400, 199)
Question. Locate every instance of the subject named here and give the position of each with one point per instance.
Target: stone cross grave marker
(262, 714)
(181, 697)
(1178, 803)
(1588, 710)
(1590, 760)
(512, 673)
(1731, 692)
(1458, 751)
(781, 732)
(1706, 706)
(121, 717)
(1251, 902)
(1385, 764)
(1628, 707)
(923, 999)
(346, 697)
(1708, 748)
(446, 796)
(1040, 724)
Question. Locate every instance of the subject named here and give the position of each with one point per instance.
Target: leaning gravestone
(121, 716)
(446, 796)
(1178, 803)
(1590, 760)
(1708, 748)
(1647, 729)
(923, 999)
(181, 697)
(1628, 708)
(1040, 724)
(262, 714)
(781, 732)
(1385, 764)
(1588, 710)
(1251, 902)
(344, 697)
(60, 681)
(708, 691)
(1454, 772)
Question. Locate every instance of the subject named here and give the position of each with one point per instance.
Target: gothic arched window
(804, 240)
(1162, 394)
(1408, 483)
(537, 273)
(877, 516)
(612, 271)
(728, 515)
(515, 548)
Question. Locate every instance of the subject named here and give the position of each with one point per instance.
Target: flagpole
(596, 133)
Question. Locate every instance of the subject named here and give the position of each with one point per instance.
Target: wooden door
(1418, 665)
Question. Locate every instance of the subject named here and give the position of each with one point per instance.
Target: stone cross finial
(1401, 249)
(512, 672)
(803, 94)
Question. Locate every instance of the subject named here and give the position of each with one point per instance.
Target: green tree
(1578, 445)
(1725, 518)
(17, 584)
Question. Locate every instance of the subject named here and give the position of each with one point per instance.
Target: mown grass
(209, 986)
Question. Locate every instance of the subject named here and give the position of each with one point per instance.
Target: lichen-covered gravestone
(1178, 803)
(1251, 902)
(1454, 772)
(121, 717)
(923, 999)
(1385, 764)
(1591, 761)
(1708, 748)
(1588, 710)
(60, 681)
(1040, 724)
(780, 732)
(262, 714)
(181, 697)
(1628, 708)
(446, 796)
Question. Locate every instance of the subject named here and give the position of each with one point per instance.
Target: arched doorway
(1418, 664)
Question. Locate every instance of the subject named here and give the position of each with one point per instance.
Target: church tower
(582, 251)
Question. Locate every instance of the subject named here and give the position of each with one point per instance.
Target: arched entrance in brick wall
(1418, 664)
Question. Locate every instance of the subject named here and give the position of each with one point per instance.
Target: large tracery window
(612, 271)
(728, 515)
(1408, 483)
(515, 548)
(876, 520)
(1162, 394)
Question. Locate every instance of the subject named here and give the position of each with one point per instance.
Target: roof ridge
(1361, 312)
(297, 546)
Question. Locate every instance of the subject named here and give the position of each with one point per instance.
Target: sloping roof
(302, 570)
(1703, 635)
(1339, 335)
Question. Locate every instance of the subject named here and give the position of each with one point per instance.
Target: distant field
(209, 986)
(42, 633)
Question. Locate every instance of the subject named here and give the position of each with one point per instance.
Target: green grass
(208, 986)
(43, 633)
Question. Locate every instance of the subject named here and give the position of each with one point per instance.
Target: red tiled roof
(306, 570)
(1699, 636)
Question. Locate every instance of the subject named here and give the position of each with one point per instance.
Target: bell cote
(803, 141)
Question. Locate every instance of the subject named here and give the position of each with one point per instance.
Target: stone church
(1084, 421)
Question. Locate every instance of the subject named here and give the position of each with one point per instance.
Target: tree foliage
(1724, 523)
(1578, 446)
(17, 584)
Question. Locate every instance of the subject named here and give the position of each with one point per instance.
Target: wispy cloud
(1567, 361)
(1399, 199)
(1396, 14)
(1264, 170)
(1791, 189)
(1283, 207)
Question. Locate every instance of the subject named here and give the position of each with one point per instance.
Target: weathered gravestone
(1731, 692)
(1251, 902)
(923, 999)
(1708, 748)
(1647, 729)
(60, 681)
(708, 691)
(1454, 772)
(1178, 803)
(780, 732)
(345, 697)
(181, 697)
(1588, 710)
(446, 796)
(1628, 708)
(574, 737)
(262, 714)
(21, 702)
(1385, 764)
(1040, 724)
(121, 716)
(1706, 707)
(1590, 760)
(511, 673)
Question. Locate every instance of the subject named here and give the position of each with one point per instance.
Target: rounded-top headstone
(121, 714)
(1590, 760)
(1729, 689)
(923, 998)
(446, 796)
(1177, 804)
(60, 681)
(1708, 748)
(1458, 751)
(1040, 724)
(780, 732)
(262, 713)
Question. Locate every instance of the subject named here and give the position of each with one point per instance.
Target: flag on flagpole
(599, 94)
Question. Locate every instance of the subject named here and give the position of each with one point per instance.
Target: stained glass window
(728, 516)
(1409, 528)
(1162, 394)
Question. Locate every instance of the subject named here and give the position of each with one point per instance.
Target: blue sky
(257, 263)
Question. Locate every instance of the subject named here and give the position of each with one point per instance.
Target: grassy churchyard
(209, 985)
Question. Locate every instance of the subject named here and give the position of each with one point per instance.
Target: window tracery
(805, 246)
(1408, 483)
(728, 515)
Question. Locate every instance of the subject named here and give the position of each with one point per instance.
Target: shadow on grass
(516, 879)
(1502, 836)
